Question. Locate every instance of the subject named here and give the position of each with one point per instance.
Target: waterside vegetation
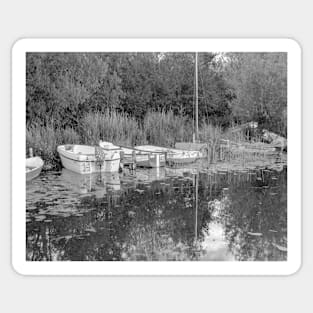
(148, 98)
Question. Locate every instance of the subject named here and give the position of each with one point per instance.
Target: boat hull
(182, 160)
(146, 160)
(173, 156)
(86, 163)
(33, 167)
(149, 159)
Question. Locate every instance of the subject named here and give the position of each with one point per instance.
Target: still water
(158, 214)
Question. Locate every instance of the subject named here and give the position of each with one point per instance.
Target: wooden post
(149, 159)
(157, 160)
(31, 154)
(134, 159)
(121, 160)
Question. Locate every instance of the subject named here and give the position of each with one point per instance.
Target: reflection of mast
(196, 185)
(197, 126)
(196, 130)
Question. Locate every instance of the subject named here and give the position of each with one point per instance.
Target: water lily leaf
(139, 190)
(91, 229)
(254, 234)
(279, 247)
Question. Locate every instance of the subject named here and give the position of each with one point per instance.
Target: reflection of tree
(138, 225)
(256, 219)
(158, 221)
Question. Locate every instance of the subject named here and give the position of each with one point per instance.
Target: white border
(23, 267)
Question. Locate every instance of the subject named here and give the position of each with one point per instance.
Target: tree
(61, 86)
(260, 82)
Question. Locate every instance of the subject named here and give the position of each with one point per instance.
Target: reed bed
(165, 129)
(157, 128)
(45, 139)
(119, 128)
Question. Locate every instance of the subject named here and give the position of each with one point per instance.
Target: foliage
(132, 98)
(61, 87)
(260, 81)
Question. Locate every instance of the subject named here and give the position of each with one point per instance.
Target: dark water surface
(165, 214)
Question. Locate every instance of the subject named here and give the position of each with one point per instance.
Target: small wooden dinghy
(33, 167)
(173, 156)
(142, 158)
(89, 159)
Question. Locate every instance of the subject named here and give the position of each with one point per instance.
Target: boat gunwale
(169, 150)
(87, 160)
(83, 157)
(34, 168)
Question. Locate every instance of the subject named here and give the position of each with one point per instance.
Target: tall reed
(157, 128)
(161, 128)
(45, 139)
(119, 128)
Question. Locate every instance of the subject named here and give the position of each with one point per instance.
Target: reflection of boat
(95, 182)
(181, 171)
(173, 156)
(143, 158)
(33, 167)
(88, 159)
(150, 175)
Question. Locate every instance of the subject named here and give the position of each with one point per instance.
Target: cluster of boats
(107, 157)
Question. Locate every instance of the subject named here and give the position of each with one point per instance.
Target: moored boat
(142, 157)
(85, 159)
(33, 167)
(173, 156)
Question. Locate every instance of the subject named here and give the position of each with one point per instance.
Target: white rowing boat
(33, 167)
(143, 158)
(173, 156)
(89, 159)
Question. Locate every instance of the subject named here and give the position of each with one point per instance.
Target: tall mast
(196, 109)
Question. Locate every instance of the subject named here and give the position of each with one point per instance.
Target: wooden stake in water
(134, 160)
(157, 160)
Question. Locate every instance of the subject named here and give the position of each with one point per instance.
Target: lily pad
(254, 234)
(279, 247)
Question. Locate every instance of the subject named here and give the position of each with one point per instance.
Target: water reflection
(96, 183)
(158, 214)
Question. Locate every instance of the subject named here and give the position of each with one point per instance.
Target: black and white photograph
(156, 157)
(146, 156)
